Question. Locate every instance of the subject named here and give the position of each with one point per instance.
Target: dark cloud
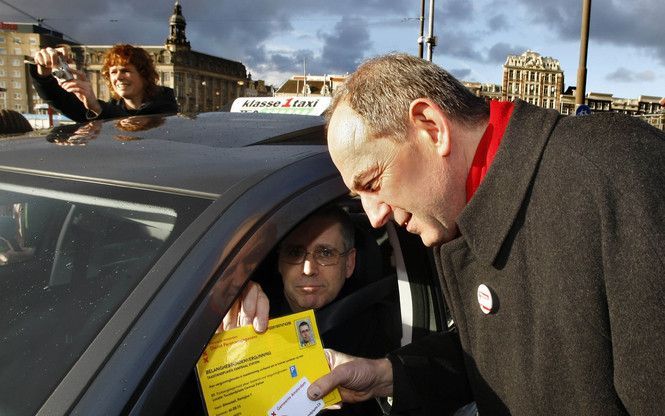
(345, 48)
(498, 23)
(500, 51)
(234, 30)
(458, 44)
(626, 75)
(638, 23)
(250, 31)
(461, 73)
(453, 11)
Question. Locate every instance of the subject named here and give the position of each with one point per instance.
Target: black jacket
(568, 232)
(48, 89)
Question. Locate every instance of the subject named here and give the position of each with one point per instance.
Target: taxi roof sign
(304, 105)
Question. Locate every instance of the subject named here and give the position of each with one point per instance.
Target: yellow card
(242, 373)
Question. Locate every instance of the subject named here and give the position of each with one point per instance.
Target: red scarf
(500, 112)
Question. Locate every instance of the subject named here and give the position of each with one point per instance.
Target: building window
(2, 61)
(18, 51)
(18, 107)
(17, 40)
(16, 84)
(2, 72)
(16, 73)
(17, 95)
(3, 51)
(16, 62)
(33, 41)
(2, 39)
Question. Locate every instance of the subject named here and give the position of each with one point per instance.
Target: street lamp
(580, 89)
(241, 83)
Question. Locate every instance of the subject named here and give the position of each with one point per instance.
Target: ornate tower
(177, 39)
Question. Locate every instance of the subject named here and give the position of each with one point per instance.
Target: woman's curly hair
(124, 54)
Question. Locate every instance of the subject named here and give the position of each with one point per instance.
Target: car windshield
(69, 256)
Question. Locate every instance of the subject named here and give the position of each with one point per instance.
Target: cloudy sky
(274, 37)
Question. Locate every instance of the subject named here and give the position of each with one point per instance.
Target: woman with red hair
(130, 75)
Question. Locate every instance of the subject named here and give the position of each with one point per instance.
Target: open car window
(393, 286)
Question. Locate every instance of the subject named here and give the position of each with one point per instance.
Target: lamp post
(204, 94)
(431, 39)
(580, 90)
(421, 38)
(240, 86)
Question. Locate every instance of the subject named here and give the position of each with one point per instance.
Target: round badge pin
(485, 299)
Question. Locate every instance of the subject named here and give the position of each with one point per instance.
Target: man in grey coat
(549, 235)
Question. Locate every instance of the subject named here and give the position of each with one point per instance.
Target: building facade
(484, 89)
(646, 107)
(533, 78)
(310, 85)
(201, 82)
(540, 81)
(18, 43)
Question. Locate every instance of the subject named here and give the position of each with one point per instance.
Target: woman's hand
(82, 88)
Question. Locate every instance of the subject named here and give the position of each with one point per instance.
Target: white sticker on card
(296, 402)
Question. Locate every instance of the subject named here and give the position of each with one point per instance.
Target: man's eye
(325, 252)
(371, 186)
(293, 251)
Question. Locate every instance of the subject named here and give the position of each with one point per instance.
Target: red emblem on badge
(485, 299)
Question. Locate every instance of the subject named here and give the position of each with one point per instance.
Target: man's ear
(350, 262)
(430, 123)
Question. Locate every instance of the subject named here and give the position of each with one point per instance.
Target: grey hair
(382, 89)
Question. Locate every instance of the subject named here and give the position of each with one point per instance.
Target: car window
(67, 261)
(388, 258)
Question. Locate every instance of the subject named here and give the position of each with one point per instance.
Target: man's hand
(358, 379)
(252, 307)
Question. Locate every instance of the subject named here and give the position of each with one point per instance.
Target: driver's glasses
(324, 256)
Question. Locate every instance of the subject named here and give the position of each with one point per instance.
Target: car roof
(200, 155)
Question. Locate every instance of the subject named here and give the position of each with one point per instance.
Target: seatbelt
(350, 306)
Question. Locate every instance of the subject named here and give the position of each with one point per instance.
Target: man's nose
(378, 212)
(309, 266)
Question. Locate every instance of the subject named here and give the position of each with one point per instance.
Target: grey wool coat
(567, 231)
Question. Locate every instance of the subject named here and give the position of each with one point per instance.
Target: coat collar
(486, 220)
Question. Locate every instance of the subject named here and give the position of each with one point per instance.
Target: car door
(151, 372)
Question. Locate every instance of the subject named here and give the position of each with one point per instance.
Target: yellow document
(242, 373)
